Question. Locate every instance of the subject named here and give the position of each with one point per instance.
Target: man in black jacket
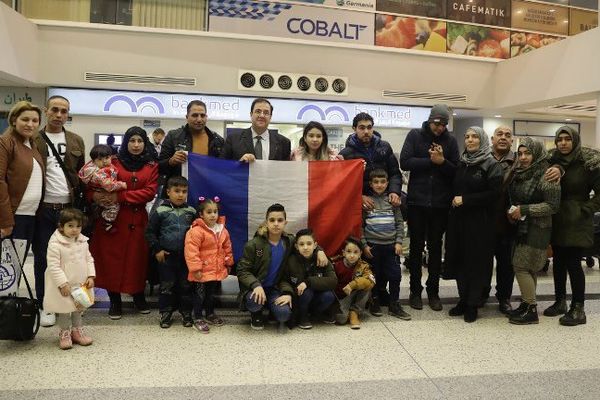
(256, 142)
(431, 155)
(193, 137)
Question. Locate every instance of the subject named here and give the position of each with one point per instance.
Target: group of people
(487, 202)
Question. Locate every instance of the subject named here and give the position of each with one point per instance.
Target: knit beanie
(439, 113)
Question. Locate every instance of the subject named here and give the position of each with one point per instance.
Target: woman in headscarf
(470, 235)
(121, 256)
(572, 226)
(533, 201)
(21, 173)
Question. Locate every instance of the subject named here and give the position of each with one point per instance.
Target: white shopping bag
(10, 266)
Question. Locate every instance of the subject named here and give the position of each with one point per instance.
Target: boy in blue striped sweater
(383, 230)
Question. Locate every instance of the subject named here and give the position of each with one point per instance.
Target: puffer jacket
(208, 252)
(167, 227)
(378, 155)
(359, 278)
(429, 185)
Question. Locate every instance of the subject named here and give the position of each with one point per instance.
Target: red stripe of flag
(334, 201)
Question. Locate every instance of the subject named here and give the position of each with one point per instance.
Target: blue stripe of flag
(210, 177)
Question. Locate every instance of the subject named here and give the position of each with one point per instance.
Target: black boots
(395, 310)
(504, 306)
(457, 310)
(575, 315)
(558, 308)
(524, 315)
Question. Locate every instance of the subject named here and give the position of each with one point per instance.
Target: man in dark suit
(256, 142)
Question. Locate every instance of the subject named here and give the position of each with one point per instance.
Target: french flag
(322, 195)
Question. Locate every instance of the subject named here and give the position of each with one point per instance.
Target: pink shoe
(65, 342)
(79, 337)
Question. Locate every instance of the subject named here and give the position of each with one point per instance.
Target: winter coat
(471, 226)
(122, 256)
(359, 278)
(208, 252)
(538, 199)
(101, 178)
(429, 185)
(572, 225)
(503, 226)
(16, 167)
(253, 267)
(299, 269)
(378, 155)
(69, 261)
(168, 226)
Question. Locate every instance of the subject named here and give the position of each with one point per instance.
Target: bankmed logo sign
(139, 106)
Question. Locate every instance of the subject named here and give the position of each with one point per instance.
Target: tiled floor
(431, 357)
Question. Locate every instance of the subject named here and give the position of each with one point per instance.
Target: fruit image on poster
(478, 41)
(522, 42)
(410, 33)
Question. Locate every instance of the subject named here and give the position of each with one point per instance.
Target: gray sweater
(383, 224)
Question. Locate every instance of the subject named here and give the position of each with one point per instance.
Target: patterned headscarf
(484, 152)
(538, 162)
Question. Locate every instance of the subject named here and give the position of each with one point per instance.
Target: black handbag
(19, 316)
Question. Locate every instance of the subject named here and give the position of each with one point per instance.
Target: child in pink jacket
(70, 266)
(209, 258)
(99, 173)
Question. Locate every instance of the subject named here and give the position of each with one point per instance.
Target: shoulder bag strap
(59, 159)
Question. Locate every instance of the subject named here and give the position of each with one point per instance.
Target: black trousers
(430, 223)
(505, 275)
(568, 260)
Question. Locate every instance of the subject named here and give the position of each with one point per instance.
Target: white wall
(18, 46)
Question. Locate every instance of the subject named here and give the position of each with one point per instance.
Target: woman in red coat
(121, 254)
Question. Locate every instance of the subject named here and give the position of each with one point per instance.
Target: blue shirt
(277, 252)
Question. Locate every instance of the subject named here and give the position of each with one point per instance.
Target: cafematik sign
(488, 12)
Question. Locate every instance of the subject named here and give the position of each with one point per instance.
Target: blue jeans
(315, 301)
(281, 313)
(175, 290)
(45, 225)
(386, 269)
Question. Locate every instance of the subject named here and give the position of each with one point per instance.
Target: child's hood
(62, 239)
(199, 222)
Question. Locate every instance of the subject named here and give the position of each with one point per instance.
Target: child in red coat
(209, 258)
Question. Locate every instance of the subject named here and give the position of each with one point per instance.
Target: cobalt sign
(323, 28)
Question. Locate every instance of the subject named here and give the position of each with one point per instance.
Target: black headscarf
(136, 162)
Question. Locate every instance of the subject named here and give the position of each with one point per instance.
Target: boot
(504, 306)
(528, 316)
(470, 314)
(434, 302)
(575, 316)
(519, 310)
(395, 310)
(415, 301)
(457, 310)
(375, 308)
(79, 337)
(65, 342)
(354, 321)
(558, 308)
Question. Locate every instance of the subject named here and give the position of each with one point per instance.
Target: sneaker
(215, 320)
(354, 320)
(115, 311)
(187, 320)
(304, 321)
(139, 301)
(282, 328)
(201, 326)
(328, 317)
(256, 321)
(65, 342)
(375, 308)
(166, 319)
(395, 310)
(47, 318)
(558, 308)
(415, 301)
(434, 302)
(79, 337)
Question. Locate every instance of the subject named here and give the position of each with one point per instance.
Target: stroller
(594, 251)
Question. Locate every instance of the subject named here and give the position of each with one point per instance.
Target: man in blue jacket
(430, 153)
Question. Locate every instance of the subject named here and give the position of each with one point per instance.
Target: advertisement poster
(540, 17)
(290, 21)
(410, 33)
(478, 41)
(522, 42)
(354, 4)
(421, 8)
(488, 12)
(582, 21)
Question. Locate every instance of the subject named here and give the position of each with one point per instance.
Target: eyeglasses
(266, 113)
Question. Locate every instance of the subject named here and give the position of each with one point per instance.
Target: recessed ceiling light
(497, 116)
(455, 114)
(552, 10)
(568, 119)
